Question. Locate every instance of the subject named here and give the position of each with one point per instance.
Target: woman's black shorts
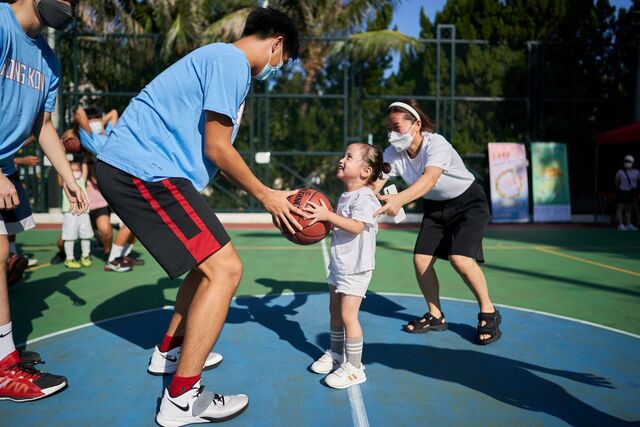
(454, 227)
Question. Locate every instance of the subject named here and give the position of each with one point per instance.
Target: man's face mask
(55, 14)
(628, 165)
(269, 69)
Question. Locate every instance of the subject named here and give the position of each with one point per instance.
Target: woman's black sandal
(427, 323)
(491, 327)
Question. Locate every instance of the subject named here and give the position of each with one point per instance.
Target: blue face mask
(269, 69)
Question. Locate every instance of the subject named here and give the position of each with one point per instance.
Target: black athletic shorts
(97, 213)
(454, 227)
(626, 197)
(170, 218)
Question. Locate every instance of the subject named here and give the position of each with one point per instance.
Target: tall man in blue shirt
(170, 141)
(29, 76)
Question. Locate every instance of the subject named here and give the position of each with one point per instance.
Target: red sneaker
(21, 382)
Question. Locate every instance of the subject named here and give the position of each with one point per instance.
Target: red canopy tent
(629, 133)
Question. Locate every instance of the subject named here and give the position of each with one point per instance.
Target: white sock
(68, 249)
(85, 244)
(6, 341)
(127, 249)
(116, 252)
(13, 248)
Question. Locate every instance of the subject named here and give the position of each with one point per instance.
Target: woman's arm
(424, 184)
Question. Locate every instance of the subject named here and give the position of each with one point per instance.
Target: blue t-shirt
(94, 142)
(161, 133)
(29, 75)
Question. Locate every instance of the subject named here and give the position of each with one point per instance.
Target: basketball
(72, 144)
(310, 234)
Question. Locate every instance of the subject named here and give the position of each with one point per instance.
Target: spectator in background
(627, 194)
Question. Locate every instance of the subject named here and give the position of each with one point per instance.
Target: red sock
(179, 385)
(169, 343)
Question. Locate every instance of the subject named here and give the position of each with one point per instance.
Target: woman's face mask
(55, 14)
(269, 69)
(401, 141)
(627, 165)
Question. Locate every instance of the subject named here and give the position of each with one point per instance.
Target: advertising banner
(550, 175)
(509, 183)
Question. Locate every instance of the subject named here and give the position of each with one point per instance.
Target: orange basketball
(310, 234)
(72, 144)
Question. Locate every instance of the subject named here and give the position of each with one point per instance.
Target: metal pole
(345, 107)
(453, 82)
(74, 55)
(527, 119)
(637, 104)
(438, 76)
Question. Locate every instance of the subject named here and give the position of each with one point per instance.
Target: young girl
(76, 226)
(353, 246)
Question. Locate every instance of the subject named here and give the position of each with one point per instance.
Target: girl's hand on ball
(317, 212)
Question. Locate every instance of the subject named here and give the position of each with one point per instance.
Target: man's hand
(27, 160)
(77, 200)
(276, 203)
(8, 194)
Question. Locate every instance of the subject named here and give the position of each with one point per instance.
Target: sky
(407, 13)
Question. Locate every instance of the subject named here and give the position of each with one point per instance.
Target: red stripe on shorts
(202, 244)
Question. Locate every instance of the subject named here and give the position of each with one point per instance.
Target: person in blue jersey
(29, 76)
(168, 144)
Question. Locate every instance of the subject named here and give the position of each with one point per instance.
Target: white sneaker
(622, 227)
(32, 262)
(327, 362)
(167, 362)
(199, 406)
(632, 227)
(346, 376)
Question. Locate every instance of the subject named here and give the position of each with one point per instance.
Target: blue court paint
(544, 371)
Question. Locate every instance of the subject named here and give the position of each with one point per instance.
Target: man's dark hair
(93, 112)
(266, 22)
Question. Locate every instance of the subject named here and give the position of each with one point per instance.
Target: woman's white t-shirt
(351, 253)
(435, 151)
(628, 180)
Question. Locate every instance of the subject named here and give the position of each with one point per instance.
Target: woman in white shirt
(456, 213)
(627, 195)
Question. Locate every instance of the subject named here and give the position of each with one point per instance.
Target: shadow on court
(148, 332)
(27, 300)
(275, 317)
(510, 381)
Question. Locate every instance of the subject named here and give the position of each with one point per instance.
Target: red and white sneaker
(20, 382)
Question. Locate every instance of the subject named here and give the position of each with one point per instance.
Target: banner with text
(509, 183)
(550, 175)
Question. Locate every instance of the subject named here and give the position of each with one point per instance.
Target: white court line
(358, 411)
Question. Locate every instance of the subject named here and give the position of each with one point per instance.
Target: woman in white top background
(627, 193)
(456, 213)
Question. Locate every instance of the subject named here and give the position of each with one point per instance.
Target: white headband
(407, 107)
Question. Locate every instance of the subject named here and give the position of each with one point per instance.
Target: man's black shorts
(169, 217)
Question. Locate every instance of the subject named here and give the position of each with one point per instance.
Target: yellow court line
(38, 267)
(586, 261)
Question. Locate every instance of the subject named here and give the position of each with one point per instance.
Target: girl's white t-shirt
(628, 180)
(352, 253)
(435, 151)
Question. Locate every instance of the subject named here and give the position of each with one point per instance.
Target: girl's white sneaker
(327, 362)
(346, 376)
